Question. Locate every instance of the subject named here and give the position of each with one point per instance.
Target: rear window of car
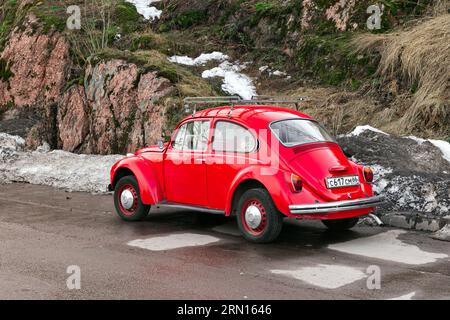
(294, 132)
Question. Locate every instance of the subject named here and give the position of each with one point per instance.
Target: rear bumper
(337, 206)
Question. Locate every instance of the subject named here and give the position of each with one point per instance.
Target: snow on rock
(413, 176)
(15, 143)
(234, 81)
(443, 234)
(60, 169)
(271, 72)
(143, 7)
(444, 146)
(360, 129)
(201, 60)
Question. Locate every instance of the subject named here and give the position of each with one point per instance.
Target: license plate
(344, 181)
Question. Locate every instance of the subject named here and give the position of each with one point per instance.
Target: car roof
(250, 113)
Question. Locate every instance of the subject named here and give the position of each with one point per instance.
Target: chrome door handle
(201, 160)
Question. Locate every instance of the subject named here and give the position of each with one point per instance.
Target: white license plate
(344, 181)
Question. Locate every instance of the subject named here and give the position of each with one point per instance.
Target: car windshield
(295, 132)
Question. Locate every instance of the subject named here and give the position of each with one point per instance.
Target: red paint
(202, 178)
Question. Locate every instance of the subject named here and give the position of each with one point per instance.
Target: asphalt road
(45, 230)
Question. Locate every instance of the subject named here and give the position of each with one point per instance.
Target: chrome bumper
(337, 206)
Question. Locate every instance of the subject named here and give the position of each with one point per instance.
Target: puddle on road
(386, 246)
(173, 241)
(408, 296)
(324, 275)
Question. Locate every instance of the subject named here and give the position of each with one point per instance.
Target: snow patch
(201, 60)
(408, 296)
(173, 241)
(360, 129)
(380, 182)
(325, 276)
(143, 7)
(59, 169)
(234, 81)
(11, 142)
(442, 145)
(386, 246)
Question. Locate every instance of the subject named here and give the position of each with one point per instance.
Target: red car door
(231, 146)
(185, 165)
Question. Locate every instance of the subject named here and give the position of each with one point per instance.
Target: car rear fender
(149, 186)
(275, 184)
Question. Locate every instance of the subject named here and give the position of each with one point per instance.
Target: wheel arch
(149, 186)
(251, 177)
(120, 173)
(241, 188)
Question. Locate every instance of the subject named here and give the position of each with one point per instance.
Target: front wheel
(340, 224)
(258, 219)
(127, 200)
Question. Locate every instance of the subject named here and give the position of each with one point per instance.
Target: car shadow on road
(309, 234)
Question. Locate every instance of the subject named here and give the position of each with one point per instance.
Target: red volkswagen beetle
(260, 163)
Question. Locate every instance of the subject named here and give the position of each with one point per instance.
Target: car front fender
(150, 188)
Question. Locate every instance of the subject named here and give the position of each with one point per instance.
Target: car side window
(231, 137)
(192, 136)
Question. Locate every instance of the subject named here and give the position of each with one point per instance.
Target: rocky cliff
(110, 105)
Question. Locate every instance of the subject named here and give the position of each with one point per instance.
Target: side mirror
(161, 144)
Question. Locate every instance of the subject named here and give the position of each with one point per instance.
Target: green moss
(148, 41)
(264, 6)
(7, 18)
(332, 60)
(51, 17)
(5, 71)
(189, 18)
(126, 17)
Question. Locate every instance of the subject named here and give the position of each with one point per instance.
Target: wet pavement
(188, 255)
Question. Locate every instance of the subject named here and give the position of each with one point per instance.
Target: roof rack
(236, 100)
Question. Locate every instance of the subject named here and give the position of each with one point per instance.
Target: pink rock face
(73, 120)
(124, 113)
(39, 64)
(116, 111)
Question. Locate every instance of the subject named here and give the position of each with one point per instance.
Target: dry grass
(420, 59)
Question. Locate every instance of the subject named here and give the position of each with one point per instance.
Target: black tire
(340, 224)
(138, 211)
(271, 223)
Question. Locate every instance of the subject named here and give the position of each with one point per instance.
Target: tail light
(296, 183)
(368, 174)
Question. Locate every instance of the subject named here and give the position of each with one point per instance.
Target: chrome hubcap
(253, 217)
(127, 199)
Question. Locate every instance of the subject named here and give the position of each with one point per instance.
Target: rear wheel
(340, 224)
(127, 200)
(258, 219)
